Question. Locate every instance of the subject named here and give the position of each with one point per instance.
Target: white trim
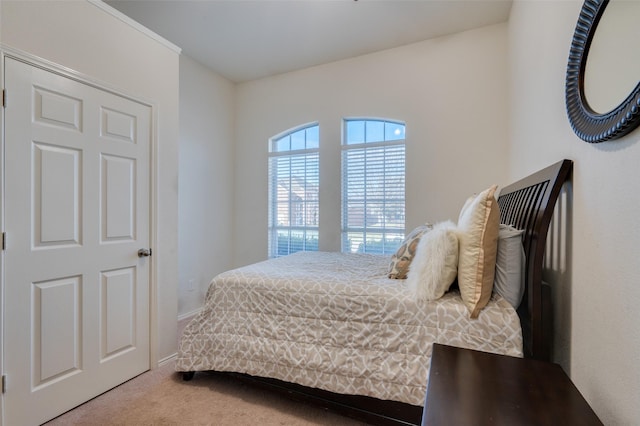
(172, 357)
(135, 25)
(154, 267)
(377, 144)
(190, 314)
(39, 62)
(2, 255)
(165, 361)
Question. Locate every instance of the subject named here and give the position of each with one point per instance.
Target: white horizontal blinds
(373, 186)
(294, 181)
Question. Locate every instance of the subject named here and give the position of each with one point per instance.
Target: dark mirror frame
(588, 124)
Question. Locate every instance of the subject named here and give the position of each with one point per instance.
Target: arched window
(373, 185)
(294, 180)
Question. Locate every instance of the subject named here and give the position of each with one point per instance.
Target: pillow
(510, 262)
(401, 259)
(435, 264)
(478, 238)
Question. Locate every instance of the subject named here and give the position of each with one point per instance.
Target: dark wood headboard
(528, 204)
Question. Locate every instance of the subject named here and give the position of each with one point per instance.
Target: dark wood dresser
(468, 387)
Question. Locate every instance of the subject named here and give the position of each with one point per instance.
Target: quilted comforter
(334, 321)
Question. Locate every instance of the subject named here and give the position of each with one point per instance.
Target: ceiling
(244, 40)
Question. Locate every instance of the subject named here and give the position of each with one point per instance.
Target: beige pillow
(478, 227)
(435, 265)
(402, 258)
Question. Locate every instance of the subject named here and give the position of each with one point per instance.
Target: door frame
(16, 54)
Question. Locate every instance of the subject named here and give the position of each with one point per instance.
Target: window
(293, 191)
(373, 186)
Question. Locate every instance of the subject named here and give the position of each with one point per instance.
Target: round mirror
(603, 94)
(611, 72)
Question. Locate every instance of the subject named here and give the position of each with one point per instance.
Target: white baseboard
(167, 360)
(182, 317)
(189, 314)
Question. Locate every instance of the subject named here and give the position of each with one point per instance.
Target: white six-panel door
(76, 312)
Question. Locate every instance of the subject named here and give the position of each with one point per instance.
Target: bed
(335, 329)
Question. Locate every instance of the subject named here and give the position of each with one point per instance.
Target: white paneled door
(76, 313)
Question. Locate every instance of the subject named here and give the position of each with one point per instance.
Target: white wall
(206, 181)
(451, 93)
(597, 337)
(86, 39)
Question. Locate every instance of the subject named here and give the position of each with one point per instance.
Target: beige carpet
(160, 398)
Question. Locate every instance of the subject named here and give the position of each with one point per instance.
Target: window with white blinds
(373, 186)
(294, 179)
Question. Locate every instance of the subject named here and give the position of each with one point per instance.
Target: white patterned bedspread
(334, 321)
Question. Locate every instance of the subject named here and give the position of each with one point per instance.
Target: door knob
(144, 252)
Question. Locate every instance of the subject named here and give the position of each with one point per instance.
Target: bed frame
(527, 204)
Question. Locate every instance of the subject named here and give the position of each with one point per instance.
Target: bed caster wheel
(187, 375)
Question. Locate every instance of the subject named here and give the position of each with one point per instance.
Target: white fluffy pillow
(435, 265)
(510, 263)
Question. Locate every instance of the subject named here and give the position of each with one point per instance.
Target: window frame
(308, 232)
(385, 232)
